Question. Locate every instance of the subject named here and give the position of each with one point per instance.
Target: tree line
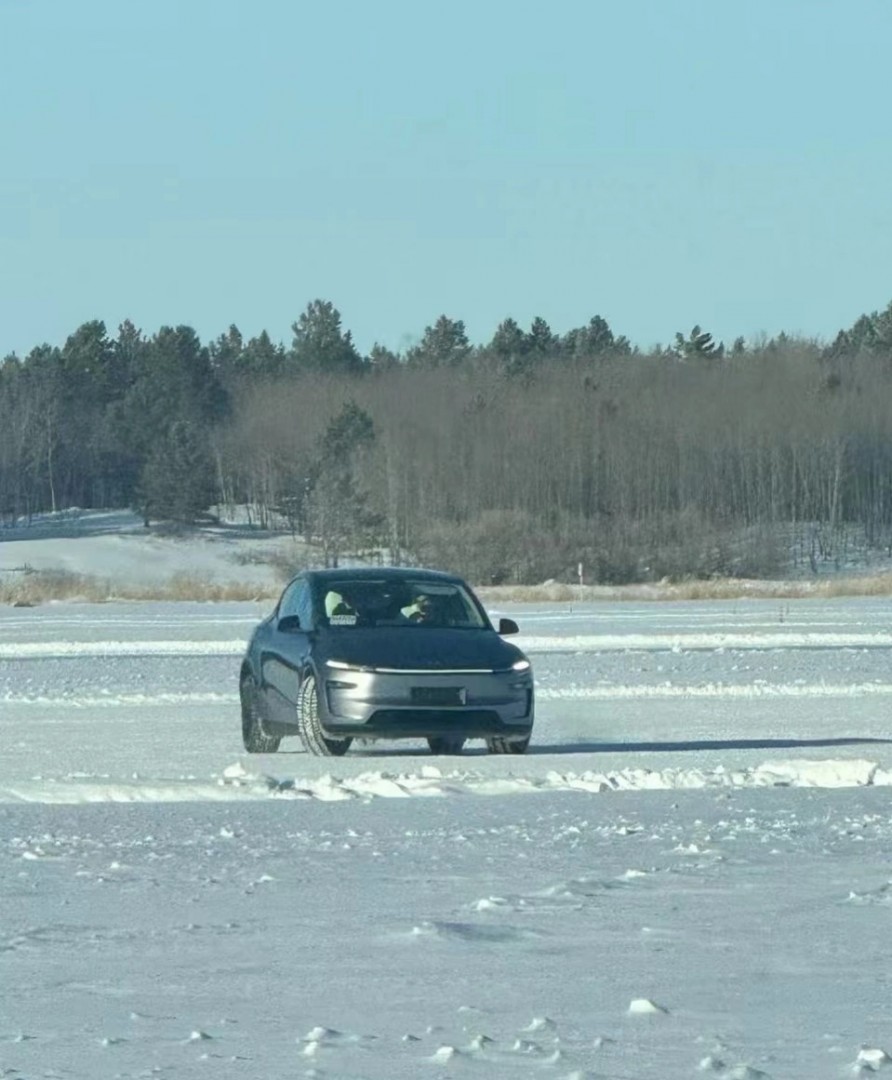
(511, 461)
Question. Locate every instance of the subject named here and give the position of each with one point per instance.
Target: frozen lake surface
(690, 873)
(104, 698)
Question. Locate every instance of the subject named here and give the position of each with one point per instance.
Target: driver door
(286, 653)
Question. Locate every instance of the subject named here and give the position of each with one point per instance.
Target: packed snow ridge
(238, 782)
(551, 643)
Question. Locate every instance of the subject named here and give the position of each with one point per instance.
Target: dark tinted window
(296, 600)
(387, 601)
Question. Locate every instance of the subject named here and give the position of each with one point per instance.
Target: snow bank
(691, 642)
(40, 650)
(238, 782)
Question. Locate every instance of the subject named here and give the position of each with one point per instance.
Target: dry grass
(27, 589)
(714, 589)
(31, 589)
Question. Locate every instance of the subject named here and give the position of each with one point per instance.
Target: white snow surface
(690, 873)
(115, 546)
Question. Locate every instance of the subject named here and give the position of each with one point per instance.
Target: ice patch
(526, 1046)
(492, 903)
(646, 1007)
(323, 1034)
(471, 933)
(480, 1042)
(872, 1058)
(820, 774)
(882, 895)
(541, 1023)
(444, 1054)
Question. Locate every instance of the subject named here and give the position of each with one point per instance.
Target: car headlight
(521, 665)
(342, 665)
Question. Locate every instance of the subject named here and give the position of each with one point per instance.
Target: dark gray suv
(387, 653)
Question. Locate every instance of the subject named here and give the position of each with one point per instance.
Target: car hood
(417, 648)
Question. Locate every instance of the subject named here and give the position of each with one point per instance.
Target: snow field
(689, 874)
(552, 938)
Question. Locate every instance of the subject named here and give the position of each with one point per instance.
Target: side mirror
(288, 624)
(508, 626)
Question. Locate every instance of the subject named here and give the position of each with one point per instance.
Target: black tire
(446, 744)
(500, 745)
(314, 739)
(253, 736)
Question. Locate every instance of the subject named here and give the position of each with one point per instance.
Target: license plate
(437, 695)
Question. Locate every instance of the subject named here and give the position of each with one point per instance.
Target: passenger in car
(428, 611)
(338, 610)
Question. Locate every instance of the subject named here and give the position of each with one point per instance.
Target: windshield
(388, 602)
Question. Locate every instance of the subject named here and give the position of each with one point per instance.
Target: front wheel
(501, 745)
(314, 739)
(446, 744)
(254, 737)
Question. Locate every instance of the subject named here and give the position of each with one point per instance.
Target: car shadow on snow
(373, 750)
(629, 746)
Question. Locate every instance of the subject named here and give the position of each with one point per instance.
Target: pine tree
(319, 343)
(178, 476)
(445, 344)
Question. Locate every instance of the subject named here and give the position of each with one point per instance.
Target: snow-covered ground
(115, 546)
(689, 874)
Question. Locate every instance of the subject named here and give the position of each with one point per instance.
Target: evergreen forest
(514, 461)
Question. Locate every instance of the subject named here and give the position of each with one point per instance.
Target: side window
(305, 606)
(296, 601)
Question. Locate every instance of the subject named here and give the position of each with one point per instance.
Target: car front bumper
(404, 704)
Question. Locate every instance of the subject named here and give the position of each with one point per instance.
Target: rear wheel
(253, 736)
(501, 745)
(314, 739)
(446, 744)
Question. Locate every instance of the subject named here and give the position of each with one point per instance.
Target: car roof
(374, 573)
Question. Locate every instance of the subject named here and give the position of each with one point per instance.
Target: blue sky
(657, 162)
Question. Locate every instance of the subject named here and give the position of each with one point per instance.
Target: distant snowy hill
(115, 546)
